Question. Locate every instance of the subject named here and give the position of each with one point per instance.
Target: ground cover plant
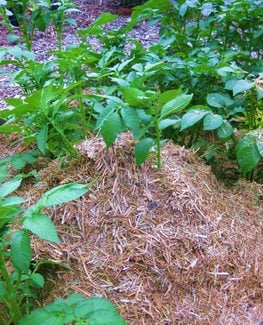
(199, 85)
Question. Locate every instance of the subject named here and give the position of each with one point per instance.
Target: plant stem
(82, 111)
(14, 308)
(25, 34)
(158, 137)
(158, 147)
(68, 145)
(59, 31)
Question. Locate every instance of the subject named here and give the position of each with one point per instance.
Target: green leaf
(41, 316)
(92, 311)
(42, 139)
(248, 155)
(183, 9)
(168, 95)
(91, 305)
(142, 149)
(225, 70)
(8, 212)
(104, 18)
(134, 97)
(241, 86)
(62, 194)
(3, 172)
(21, 251)
(157, 66)
(9, 187)
(131, 120)
(219, 100)
(104, 115)
(175, 105)
(12, 200)
(212, 121)
(98, 311)
(192, 117)
(175, 122)
(71, 21)
(38, 280)
(111, 128)
(238, 86)
(3, 219)
(19, 161)
(41, 226)
(94, 28)
(105, 317)
(12, 38)
(225, 130)
(3, 290)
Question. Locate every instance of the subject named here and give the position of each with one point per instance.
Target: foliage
(208, 55)
(94, 311)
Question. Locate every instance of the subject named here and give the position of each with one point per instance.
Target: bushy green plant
(207, 49)
(212, 49)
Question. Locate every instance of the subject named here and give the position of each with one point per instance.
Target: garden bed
(168, 246)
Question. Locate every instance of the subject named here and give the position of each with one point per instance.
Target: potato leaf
(131, 120)
(42, 226)
(142, 149)
(9, 187)
(212, 121)
(248, 155)
(21, 251)
(63, 193)
(225, 130)
(218, 100)
(175, 105)
(192, 117)
(111, 128)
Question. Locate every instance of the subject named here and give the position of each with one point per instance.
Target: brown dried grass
(169, 246)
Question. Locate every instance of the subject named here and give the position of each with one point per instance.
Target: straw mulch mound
(168, 247)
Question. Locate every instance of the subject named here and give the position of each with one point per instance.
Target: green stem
(197, 27)
(14, 308)
(158, 147)
(158, 137)
(59, 30)
(226, 36)
(25, 34)
(68, 145)
(82, 111)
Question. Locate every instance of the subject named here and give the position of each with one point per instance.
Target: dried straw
(169, 246)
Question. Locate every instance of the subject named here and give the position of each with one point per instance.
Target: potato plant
(209, 50)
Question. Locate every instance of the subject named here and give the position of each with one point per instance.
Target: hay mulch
(168, 247)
